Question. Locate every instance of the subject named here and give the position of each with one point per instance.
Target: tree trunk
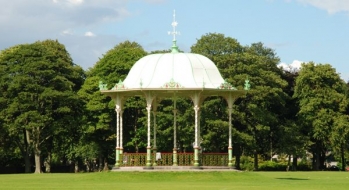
(294, 163)
(37, 151)
(88, 165)
(322, 159)
(255, 163)
(237, 152)
(26, 152)
(288, 163)
(27, 163)
(101, 163)
(37, 161)
(343, 157)
(237, 162)
(76, 166)
(48, 163)
(106, 168)
(316, 160)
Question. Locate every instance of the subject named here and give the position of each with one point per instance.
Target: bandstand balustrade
(166, 159)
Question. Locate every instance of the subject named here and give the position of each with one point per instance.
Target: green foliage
(40, 81)
(257, 115)
(304, 165)
(321, 95)
(272, 166)
(52, 109)
(117, 62)
(99, 117)
(247, 163)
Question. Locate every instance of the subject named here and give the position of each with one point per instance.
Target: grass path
(179, 180)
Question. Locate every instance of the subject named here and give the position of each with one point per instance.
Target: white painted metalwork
(174, 24)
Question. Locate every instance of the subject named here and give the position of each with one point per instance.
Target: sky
(297, 30)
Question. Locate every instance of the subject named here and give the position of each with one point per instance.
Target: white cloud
(69, 2)
(89, 34)
(29, 21)
(331, 6)
(294, 66)
(76, 2)
(67, 32)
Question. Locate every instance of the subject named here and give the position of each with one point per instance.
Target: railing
(214, 159)
(166, 159)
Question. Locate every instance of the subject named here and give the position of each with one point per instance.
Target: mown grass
(178, 180)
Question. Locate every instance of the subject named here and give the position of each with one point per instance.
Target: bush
(246, 163)
(272, 166)
(304, 166)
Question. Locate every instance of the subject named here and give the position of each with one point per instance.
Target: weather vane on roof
(174, 32)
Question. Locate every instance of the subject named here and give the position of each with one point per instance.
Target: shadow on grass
(291, 178)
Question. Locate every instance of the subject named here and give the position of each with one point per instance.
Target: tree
(320, 93)
(293, 139)
(256, 115)
(99, 120)
(40, 85)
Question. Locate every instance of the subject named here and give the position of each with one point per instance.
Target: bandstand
(171, 75)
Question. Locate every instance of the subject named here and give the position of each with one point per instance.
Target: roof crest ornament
(174, 33)
(247, 85)
(118, 86)
(226, 86)
(102, 86)
(172, 84)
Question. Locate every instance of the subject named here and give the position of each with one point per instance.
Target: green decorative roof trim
(119, 85)
(172, 84)
(226, 85)
(247, 85)
(102, 86)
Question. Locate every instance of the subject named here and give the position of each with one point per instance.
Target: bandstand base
(175, 168)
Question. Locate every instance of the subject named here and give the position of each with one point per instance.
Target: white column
(196, 145)
(175, 133)
(149, 98)
(148, 128)
(121, 132)
(154, 134)
(196, 98)
(117, 156)
(148, 164)
(230, 101)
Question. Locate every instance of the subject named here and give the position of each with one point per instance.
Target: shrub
(246, 163)
(304, 165)
(272, 166)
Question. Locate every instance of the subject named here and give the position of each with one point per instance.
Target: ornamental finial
(174, 33)
(247, 84)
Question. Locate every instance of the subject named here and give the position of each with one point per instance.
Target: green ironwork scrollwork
(102, 86)
(172, 84)
(226, 85)
(119, 85)
(247, 85)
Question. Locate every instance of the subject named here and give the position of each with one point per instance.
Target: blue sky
(298, 30)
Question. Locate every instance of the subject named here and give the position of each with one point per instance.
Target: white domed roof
(173, 70)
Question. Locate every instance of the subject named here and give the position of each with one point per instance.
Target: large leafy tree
(293, 139)
(256, 115)
(100, 115)
(320, 93)
(39, 82)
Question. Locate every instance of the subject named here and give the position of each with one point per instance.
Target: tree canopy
(52, 111)
(39, 83)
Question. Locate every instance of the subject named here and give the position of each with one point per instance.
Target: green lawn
(179, 180)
